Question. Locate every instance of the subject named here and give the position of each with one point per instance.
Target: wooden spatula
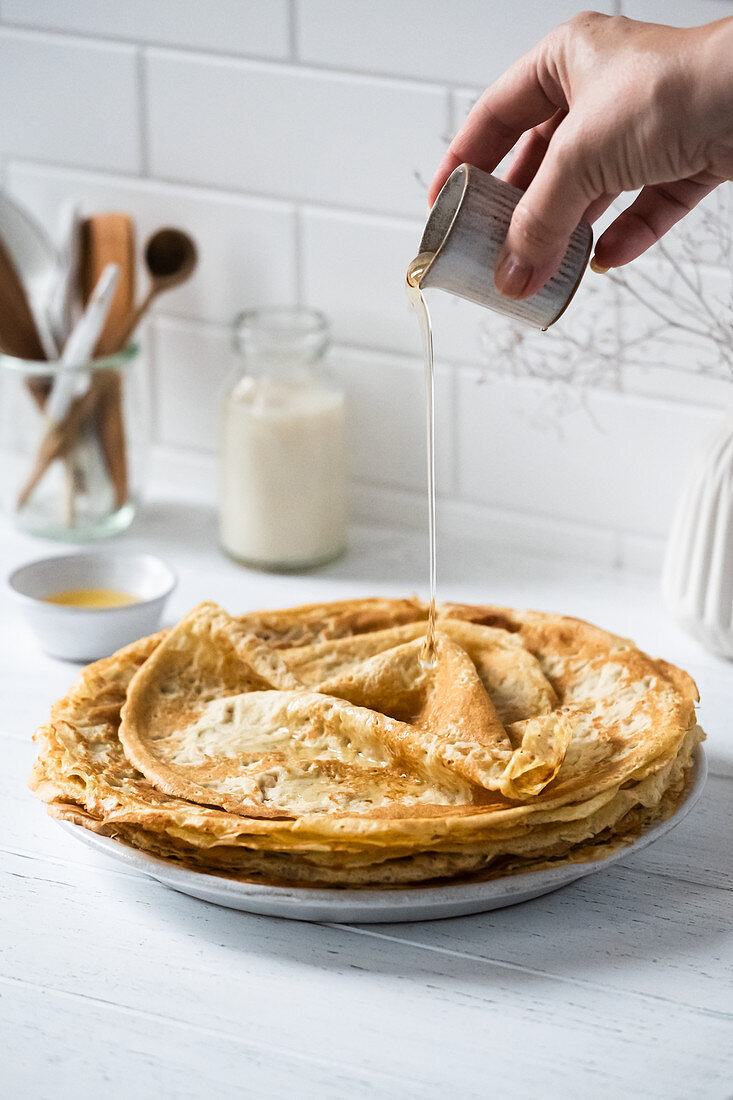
(110, 238)
(18, 333)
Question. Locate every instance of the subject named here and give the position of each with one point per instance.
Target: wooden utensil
(110, 238)
(170, 257)
(18, 333)
(104, 239)
(20, 337)
(36, 261)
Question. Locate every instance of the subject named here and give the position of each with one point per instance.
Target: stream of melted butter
(415, 272)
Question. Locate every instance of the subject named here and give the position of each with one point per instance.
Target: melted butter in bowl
(85, 606)
(92, 597)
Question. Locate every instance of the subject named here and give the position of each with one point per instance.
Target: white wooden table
(111, 985)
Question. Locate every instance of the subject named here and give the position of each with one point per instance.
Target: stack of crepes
(310, 746)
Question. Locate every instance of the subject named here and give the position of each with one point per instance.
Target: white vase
(697, 578)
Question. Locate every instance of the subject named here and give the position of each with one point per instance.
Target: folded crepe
(311, 746)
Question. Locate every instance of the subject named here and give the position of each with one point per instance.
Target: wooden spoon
(170, 257)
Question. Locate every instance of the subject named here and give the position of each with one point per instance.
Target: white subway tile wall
(354, 268)
(193, 362)
(295, 140)
(69, 101)
(377, 251)
(678, 13)
(467, 42)
(658, 359)
(601, 462)
(246, 245)
(386, 399)
(299, 134)
(252, 28)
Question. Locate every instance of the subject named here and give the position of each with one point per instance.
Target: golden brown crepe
(310, 745)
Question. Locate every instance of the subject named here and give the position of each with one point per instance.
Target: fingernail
(512, 275)
(598, 268)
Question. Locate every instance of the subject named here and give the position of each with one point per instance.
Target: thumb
(544, 218)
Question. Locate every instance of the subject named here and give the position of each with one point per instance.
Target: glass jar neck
(281, 343)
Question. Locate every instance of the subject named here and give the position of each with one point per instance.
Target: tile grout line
(448, 364)
(299, 256)
(293, 30)
(89, 38)
(265, 61)
(142, 112)
(211, 190)
(152, 350)
(203, 191)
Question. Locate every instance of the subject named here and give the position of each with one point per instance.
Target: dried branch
(605, 334)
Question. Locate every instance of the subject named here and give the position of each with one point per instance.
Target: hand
(602, 105)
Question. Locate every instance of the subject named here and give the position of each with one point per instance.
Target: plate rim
(514, 888)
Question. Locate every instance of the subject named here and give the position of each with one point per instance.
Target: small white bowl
(86, 633)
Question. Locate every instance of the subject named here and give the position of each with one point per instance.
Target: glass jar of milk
(282, 445)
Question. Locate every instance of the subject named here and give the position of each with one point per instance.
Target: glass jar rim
(295, 321)
(120, 360)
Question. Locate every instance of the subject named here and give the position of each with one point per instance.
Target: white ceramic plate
(374, 906)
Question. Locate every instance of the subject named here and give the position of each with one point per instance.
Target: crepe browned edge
(51, 786)
(425, 869)
(568, 635)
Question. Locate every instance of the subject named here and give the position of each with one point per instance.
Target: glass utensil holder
(73, 476)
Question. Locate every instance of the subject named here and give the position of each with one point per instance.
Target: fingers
(544, 218)
(599, 206)
(449, 162)
(530, 152)
(654, 211)
(523, 97)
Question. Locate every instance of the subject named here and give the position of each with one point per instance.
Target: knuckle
(587, 19)
(568, 148)
(583, 29)
(571, 28)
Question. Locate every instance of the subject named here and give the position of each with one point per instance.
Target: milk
(283, 472)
